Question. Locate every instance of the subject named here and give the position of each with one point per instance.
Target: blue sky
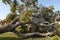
(55, 3)
(5, 9)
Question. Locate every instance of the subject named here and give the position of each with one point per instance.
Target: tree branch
(33, 34)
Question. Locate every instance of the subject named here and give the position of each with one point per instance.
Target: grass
(12, 36)
(8, 34)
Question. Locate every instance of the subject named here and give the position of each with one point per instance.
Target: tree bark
(25, 35)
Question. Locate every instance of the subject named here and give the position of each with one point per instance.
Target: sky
(5, 9)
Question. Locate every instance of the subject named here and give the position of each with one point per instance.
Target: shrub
(57, 28)
(10, 17)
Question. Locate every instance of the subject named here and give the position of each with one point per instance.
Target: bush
(57, 28)
(10, 17)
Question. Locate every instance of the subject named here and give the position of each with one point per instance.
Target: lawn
(12, 36)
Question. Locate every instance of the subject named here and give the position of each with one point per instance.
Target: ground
(12, 36)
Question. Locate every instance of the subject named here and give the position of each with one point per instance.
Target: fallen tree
(12, 25)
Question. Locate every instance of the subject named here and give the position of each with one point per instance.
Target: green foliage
(51, 7)
(57, 27)
(25, 15)
(47, 13)
(29, 2)
(18, 29)
(20, 8)
(45, 10)
(24, 29)
(13, 5)
(49, 18)
(10, 17)
(13, 9)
